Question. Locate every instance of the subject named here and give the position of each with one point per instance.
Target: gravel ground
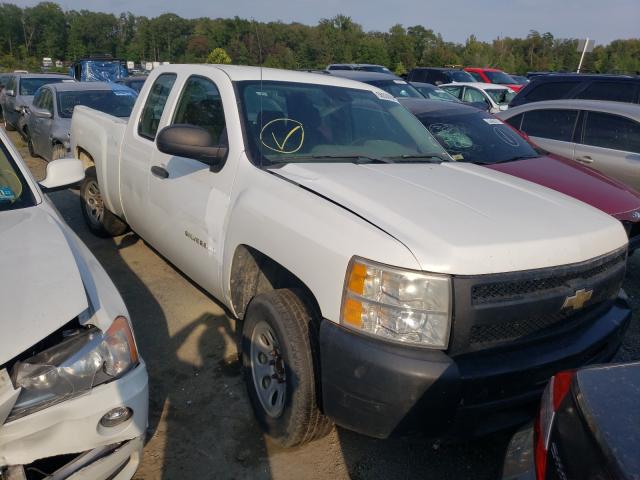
(201, 424)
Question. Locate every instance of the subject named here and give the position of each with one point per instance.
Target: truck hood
(577, 181)
(465, 219)
(41, 286)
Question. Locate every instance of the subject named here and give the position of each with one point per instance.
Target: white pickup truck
(381, 285)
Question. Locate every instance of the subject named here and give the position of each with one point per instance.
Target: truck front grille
(510, 308)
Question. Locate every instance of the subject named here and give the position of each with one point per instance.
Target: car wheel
(280, 362)
(100, 221)
(58, 152)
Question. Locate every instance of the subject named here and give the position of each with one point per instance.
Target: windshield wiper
(438, 156)
(352, 158)
(513, 159)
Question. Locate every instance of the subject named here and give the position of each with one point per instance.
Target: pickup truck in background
(381, 286)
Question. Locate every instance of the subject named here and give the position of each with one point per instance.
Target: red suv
(493, 75)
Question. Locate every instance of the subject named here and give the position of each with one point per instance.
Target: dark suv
(616, 88)
(438, 76)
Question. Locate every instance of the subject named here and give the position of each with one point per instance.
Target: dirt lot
(200, 424)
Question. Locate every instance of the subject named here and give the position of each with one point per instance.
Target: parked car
(587, 428)
(438, 76)
(324, 214)
(434, 93)
(390, 83)
(74, 394)
(18, 95)
(472, 136)
(603, 135)
(520, 79)
(363, 67)
(48, 123)
(495, 97)
(493, 75)
(615, 88)
(134, 82)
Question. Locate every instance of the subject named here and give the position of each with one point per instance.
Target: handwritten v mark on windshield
(286, 139)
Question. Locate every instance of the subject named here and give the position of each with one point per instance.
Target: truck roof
(239, 73)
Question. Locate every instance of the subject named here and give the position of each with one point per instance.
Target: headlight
(73, 366)
(396, 304)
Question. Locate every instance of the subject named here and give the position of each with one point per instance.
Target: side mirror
(62, 173)
(191, 142)
(41, 112)
(10, 93)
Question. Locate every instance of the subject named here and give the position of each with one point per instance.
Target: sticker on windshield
(7, 195)
(283, 135)
(508, 136)
(385, 96)
(492, 121)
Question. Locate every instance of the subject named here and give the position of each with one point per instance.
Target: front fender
(308, 235)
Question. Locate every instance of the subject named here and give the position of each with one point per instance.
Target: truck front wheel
(280, 360)
(100, 221)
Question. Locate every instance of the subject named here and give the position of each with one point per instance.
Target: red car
(493, 75)
(471, 135)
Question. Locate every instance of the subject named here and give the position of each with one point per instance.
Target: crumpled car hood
(41, 286)
(465, 219)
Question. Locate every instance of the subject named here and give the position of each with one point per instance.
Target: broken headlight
(83, 360)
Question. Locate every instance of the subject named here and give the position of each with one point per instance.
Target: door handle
(160, 172)
(585, 159)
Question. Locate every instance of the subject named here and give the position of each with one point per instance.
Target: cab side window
(47, 101)
(37, 99)
(200, 105)
(613, 91)
(552, 124)
(153, 108)
(612, 131)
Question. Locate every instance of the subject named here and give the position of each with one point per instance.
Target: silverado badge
(578, 300)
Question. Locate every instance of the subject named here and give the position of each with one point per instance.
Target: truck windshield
(299, 122)
(28, 86)
(14, 190)
(476, 137)
(461, 76)
(500, 78)
(118, 103)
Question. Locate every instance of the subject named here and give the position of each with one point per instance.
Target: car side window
(550, 91)
(153, 108)
(516, 121)
(37, 99)
(47, 101)
(11, 84)
(455, 91)
(477, 76)
(200, 104)
(552, 124)
(612, 131)
(472, 95)
(613, 91)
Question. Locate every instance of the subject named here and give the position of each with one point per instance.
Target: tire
(100, 221)
(59, 152)
(282, 321)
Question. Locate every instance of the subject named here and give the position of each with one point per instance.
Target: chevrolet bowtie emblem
(578, 300)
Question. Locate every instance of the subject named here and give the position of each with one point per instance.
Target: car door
(194, 196)
(9, 107)
(611, 143)
(137, 150)
(552, 129)
(33, 120)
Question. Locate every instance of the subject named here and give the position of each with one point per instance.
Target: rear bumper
(381, 389)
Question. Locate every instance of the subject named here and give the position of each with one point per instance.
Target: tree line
(46, 30)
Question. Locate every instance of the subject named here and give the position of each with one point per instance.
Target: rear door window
(516, 121)
(612, 131)
(613, 91)
(472, 95)
(549, 123)
(551, 91)
(153, 108)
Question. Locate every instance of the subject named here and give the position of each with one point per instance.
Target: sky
(602, 20)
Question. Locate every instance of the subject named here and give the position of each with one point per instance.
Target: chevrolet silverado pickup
(380, 285)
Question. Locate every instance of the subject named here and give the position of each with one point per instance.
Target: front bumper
(381, 389)
(519, 462)
(73, 426)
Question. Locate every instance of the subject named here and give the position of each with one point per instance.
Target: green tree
(218, 56)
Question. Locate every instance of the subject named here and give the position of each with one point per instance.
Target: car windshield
(14, 190)
(501, 96)
(118, 103)
(437, 94)
(28, 86)
(500, 78)
(461, 76)
(135, 85)
(397, 88)
(476, 137)
(298, 122)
